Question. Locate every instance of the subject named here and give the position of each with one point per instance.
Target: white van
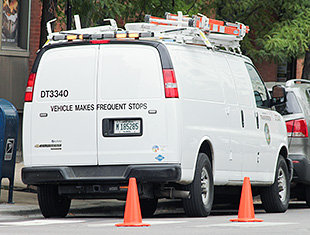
(182, 119)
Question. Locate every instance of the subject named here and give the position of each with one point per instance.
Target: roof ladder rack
(194, 29)
(112, 27)
(198, 30)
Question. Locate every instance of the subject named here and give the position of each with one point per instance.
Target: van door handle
(257, 119)
(227, 110)
(242, 119)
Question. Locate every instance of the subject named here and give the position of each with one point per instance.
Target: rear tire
(307, 194)
(148, 207)
(275, 199)
(201, 189)
(52, 205)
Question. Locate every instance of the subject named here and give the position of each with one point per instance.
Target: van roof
(163, 52)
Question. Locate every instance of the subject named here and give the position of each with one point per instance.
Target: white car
(180, 118)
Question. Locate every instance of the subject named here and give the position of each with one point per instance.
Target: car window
(260, 92)
(291, 106)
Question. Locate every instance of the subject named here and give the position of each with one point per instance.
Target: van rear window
(291, 106)
(133, 72)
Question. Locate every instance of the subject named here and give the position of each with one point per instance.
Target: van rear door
(131, 105)
(63, 124)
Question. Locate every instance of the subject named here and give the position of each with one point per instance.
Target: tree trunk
(48, 13)
(306, 68)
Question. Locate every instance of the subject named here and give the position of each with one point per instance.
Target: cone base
(132, 225)
(246, 220)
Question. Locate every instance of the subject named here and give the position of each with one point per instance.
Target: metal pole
(69, 15)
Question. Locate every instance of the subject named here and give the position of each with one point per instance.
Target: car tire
(307, 194)
(52, 205)
(200, 202)
(148, 207)
(275, 199)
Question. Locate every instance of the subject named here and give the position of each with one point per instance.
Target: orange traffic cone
(132, 216)
(246, 207)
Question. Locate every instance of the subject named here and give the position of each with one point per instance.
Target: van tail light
(171, 88)
(29, 88)
(297, 128)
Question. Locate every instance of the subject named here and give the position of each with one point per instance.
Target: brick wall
(268, 70)
(35, 24)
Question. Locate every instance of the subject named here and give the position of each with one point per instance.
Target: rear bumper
(104, 174)
(301, 168)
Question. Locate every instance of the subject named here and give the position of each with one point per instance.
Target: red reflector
(297, 128)
(30, 87)
(99, 41)
(295, 161)
(171, 89)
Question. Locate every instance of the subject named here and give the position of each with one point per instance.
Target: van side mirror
(278, 95)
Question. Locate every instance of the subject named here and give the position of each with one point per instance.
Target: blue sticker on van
(160, 158)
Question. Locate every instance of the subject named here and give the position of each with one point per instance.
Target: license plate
(127, 126)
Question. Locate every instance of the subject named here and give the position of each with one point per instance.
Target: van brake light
(29, 88)
(297, 128)
(99, 41)
(171, 88)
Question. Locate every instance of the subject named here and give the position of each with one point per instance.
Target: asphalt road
(100, 217)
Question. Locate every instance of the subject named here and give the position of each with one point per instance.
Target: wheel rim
(282, 185)
(205, 184)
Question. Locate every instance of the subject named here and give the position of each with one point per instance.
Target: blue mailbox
(8, 141)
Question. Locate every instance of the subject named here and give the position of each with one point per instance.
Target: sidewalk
(21, 194)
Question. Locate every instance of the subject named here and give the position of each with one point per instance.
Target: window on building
(14, 21)
(286, 70)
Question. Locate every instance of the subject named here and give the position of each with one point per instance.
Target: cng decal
(160, 158)
(267, 133)
(157, 149)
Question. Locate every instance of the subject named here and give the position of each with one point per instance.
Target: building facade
(14, 49)
(280, 72)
